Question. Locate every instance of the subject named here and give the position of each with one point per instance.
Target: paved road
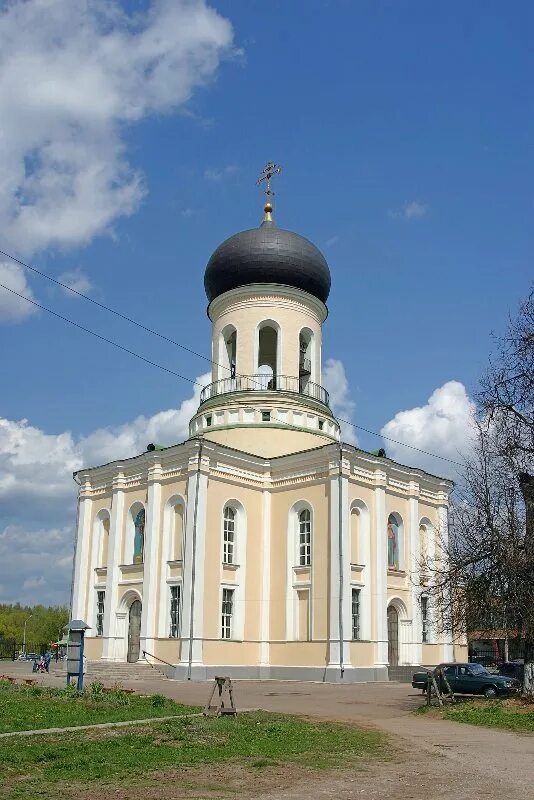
(437, 759)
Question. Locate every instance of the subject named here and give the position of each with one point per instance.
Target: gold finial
(268, 171)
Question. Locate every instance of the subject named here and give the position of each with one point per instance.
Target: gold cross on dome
(269, 170)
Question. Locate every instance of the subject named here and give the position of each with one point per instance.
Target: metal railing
(265, 383)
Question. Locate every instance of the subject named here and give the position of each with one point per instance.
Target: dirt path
(434, 759)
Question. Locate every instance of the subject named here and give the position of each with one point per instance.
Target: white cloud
(409, 211)
(73, 76)
(13, 308)
(443, 426)
(216, 174)
(77, 280)
(37, 493)
(332, 241)
(336, 383)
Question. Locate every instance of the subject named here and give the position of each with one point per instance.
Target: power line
(98, 336)
(107, 308)
(183, 377)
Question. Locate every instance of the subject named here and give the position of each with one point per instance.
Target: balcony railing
(265, 383)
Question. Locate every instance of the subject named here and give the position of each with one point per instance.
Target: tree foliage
(483, 571)
(43, 626)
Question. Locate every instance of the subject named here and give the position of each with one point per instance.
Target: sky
(131, 137)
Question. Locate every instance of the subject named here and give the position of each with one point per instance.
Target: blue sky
(405, 130)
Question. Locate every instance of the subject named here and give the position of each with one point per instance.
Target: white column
(265, 578)
(111, 649)
(82, 580)
(367, 576)
(151, 560)
(333, 611)
(193, 565)
(339, 572)
(381, 561)
(416, 652)
(443, 518)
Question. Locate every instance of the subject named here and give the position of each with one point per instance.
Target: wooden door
(393, 636)
(134, 632)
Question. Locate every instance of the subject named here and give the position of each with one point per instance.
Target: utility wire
(177, 374)
(106, 308)
(98, 336)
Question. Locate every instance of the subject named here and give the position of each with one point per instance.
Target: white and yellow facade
(259, 547)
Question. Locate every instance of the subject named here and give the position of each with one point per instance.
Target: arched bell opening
(268, 355)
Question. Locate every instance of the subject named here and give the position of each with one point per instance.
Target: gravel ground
(432, 758)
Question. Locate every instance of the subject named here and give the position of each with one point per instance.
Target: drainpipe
(193, 565)
(340, 548)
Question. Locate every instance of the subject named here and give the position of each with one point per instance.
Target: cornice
(266, 294)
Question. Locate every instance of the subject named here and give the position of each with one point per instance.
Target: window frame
(175, 611)
(100, 611)
(355, 613)
(304, 538)
(227, 612)
(229, 535)
(425, 639)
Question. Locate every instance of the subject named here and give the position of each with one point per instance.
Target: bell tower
(267, 290)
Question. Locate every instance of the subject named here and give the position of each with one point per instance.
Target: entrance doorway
(134, 632)
(393, 636)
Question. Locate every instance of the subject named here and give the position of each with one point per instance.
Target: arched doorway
(134, 632)
(393, 636)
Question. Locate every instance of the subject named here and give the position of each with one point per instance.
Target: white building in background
(262, 546)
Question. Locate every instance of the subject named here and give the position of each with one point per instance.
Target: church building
(262, 546)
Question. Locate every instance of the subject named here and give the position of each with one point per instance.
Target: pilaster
(380, 608)
(151, 565)
(81, 592)
(339, 629)
(193, 561)
(443, 525)
(265, 577)
(416, 653)
(109, 650)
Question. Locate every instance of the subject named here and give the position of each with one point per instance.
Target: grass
(25, 708)
(100, 762)
(511, 714)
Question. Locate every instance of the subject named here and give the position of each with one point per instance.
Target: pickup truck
(468, 679)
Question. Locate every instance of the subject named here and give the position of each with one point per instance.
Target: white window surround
(167, 553)
(400, 541)
(238, 567)
(364, 556)
(230, 535)
(269, 323)
(97, 547)
(128, 549)
(294, 568)
(178, 614)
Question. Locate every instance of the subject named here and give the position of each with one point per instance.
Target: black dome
(267, 255)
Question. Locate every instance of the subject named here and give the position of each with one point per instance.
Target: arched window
(423, 543)
(104, 542)
(355, 536)
(177, 532)
(229, 533)
(267, 365)
(228, 352)
(393, 537)
(305, 359)
(139, 537)
(304, 542)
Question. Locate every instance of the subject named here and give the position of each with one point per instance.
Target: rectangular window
(227, 613)
(356, 613)
(174, 631)
(266, 416)
(208, 422)
(424, 618)
(305, 538)
(100, 598)
(321, 424)
(228, 535)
